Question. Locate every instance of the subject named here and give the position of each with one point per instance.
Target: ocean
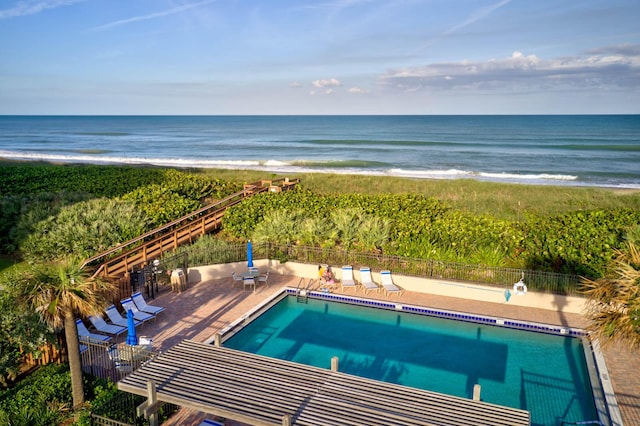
(575, 150)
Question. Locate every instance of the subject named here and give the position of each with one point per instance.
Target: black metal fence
(113, 362)
(549, 282)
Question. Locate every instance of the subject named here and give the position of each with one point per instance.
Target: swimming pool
(543, 373)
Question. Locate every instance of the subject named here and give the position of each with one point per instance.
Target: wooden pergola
(263, 391)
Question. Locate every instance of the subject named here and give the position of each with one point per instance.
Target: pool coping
(602, 389)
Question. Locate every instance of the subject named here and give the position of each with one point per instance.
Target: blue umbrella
(249, 255)
(132, 338)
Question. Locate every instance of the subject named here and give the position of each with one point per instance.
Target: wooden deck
(261, 391)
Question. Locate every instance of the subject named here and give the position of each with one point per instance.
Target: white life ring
(520, 288)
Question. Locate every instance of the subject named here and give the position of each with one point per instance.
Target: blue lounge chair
(129, 305)
(143, 306)
(101, 325)
(117, 319)
(86, 336)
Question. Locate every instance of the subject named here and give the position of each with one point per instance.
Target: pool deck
(206, 307)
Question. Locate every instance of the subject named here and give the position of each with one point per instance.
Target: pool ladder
(302, 291)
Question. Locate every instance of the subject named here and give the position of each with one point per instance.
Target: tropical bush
(43, 398)
(578, 242)
(46, 225)
(581, 243)
(83, 229)
(614, 300)
(177, 195)
(21, 332)
(19, 214)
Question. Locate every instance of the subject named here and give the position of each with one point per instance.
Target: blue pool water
(544, 374)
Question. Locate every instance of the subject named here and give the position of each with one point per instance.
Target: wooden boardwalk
(259, 391)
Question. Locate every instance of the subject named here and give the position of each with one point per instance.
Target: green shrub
(42, 398)
(84, 229)
(581, 243)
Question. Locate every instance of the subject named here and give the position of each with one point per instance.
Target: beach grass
(502, 200)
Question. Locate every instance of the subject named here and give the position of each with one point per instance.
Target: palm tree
(59, 292)
(614, 301)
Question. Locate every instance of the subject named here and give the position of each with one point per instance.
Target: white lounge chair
(111, 329)
(128, 305)
(143, 306)
(367, 281)
(387, 283)
(86, 336)
(347, 278)
(117, 319)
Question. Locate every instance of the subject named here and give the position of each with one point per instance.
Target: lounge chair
(111, 329)
(86, 336)
(128, 305)
(367, 281)
(143, 306)
(117, 319)
(387, 283)
(347, 278)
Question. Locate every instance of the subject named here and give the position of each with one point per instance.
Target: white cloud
(331, 82)
(295, 85)
(605, 68)
(31, 7)
(161, 14)
(358, 90)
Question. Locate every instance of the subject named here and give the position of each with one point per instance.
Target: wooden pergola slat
(263, 391)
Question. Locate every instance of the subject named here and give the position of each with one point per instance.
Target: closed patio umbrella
(249, 255)
(132, 337)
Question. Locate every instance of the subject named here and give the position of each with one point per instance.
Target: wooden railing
(140, 251)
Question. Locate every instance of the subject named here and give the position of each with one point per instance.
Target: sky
(246, 57)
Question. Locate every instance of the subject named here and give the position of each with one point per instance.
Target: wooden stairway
(115, 262)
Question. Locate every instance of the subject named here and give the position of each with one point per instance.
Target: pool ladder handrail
(302, 294)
